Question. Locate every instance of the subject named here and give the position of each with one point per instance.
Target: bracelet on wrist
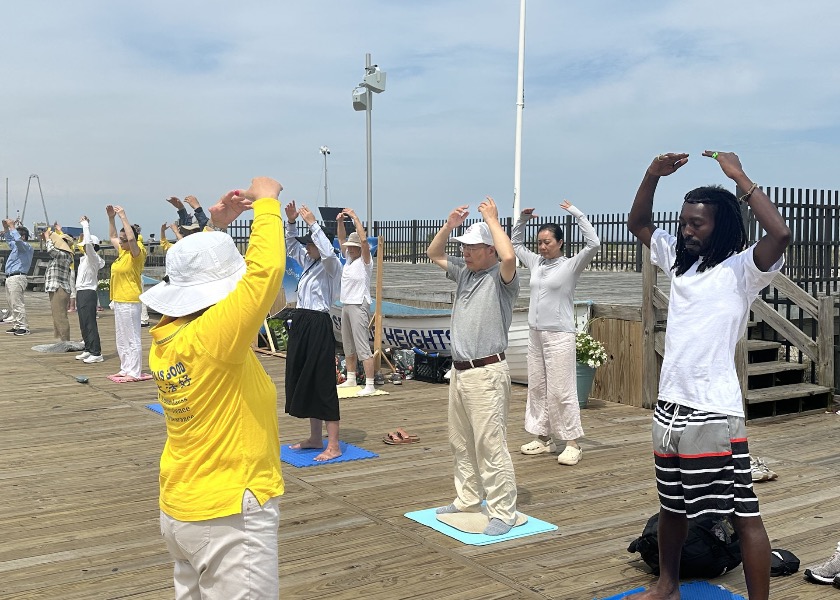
(746, 196)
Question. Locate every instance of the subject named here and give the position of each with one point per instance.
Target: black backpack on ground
(710, 550)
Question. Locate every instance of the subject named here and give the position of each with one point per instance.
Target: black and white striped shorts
(702, 462)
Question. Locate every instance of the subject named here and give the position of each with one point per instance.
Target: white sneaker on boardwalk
(538, 446)
(82, 356)
(348, 383)
(570, 456)
(94, 358)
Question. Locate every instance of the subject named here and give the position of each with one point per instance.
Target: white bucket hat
(353, 240)
(201, 270)
(477, 233)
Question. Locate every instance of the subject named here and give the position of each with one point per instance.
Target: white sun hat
(201, 270)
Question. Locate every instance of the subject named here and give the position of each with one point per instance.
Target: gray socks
(446, 510)
(497, 527)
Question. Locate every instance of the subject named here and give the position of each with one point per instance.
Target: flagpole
(520, 106)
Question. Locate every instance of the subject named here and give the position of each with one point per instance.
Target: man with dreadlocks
(699, 440)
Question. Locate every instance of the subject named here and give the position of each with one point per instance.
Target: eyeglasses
(469, 248)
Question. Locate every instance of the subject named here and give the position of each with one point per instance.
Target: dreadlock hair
(728, 237)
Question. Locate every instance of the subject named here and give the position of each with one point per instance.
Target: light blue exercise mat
(155, 408)
(306, 457)
(428, 518)
(696, 590)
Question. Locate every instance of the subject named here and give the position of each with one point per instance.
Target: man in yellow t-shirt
(220, 477)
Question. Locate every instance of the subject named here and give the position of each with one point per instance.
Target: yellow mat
(350, 392)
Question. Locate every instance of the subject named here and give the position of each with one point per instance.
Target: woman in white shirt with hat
(355, 299)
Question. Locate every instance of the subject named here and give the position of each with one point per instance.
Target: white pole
(520, 106)
(369, 144)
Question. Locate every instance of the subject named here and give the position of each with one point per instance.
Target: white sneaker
(94, 358)
(538, 447)
(367, 391)
(348, 383)
(570, 456)
(82, 356)
(9, 319)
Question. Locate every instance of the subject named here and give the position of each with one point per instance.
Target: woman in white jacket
(552, 411)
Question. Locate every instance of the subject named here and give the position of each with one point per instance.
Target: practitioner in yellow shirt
(220, 478)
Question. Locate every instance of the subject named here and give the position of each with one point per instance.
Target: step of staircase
(773, 366)
(753, 345)
(785, 392)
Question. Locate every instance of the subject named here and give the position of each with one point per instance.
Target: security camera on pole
(374, 81)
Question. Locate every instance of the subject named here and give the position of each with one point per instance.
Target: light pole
(325, 151)
(374, 81)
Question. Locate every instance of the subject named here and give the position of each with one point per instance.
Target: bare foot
(328, 454)
(308, 444)
(653, 594)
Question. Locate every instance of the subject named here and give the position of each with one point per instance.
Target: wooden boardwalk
(78, 490)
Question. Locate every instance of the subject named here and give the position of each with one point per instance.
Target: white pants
(229, 558)
(15, 289)
(478, 408)
(129, 344)
(552, 407)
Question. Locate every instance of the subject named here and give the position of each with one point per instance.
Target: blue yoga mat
(306, 457)
(696, 590)
(427, 517)
(155, 408)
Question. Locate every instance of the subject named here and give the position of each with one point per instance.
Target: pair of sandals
(400, 436)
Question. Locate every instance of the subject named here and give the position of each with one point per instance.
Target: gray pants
(86, 303)
(15, 289)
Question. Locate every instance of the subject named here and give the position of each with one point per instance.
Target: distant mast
(520, 106)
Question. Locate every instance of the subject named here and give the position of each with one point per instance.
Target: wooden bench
(36, 277)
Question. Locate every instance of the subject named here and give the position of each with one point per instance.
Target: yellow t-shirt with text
(219, 403)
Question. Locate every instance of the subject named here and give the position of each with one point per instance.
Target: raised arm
(517, 238)
(504, 248)
(640, 220)
(197, 211)
(112, 227)
(129, 231)
(771, 247)
(360, 229)
(437, 248)
(339, 229)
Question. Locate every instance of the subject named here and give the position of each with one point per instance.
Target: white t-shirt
(355, 281)
(707, 315)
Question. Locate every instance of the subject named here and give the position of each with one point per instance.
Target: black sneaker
(12, 331)
(22, 332)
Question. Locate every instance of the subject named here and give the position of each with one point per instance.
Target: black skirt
(310, 367)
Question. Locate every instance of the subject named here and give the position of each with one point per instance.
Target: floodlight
(374, 79)
(360, 98)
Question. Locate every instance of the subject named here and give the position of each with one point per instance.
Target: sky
(128, 103)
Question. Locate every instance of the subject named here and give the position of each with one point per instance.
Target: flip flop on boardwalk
(400, 436)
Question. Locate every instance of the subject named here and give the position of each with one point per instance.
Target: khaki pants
(478, 408)
(229, 558)
(59, 300)
(553, 407)
(15, 289)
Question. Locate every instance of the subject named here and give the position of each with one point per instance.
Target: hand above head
(566, 205)
(262, 187)
(8, 224)
(665, 164)
(349, 212)
(109, 210)
(527, 214)
(83, 219)
(729, 162)
(176, 202)
(306, 214)
(457, 217)
(291, 211)
(193, 202)
(119, 211)
(488, 209)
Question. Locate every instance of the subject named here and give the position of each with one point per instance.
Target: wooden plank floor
(79, 517)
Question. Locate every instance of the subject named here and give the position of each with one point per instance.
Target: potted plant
(103, 292)
(591, 354)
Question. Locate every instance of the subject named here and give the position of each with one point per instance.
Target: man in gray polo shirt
(479, 385)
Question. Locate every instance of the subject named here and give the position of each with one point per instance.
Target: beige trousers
(478, 408)
(15, 290)
(59, 301)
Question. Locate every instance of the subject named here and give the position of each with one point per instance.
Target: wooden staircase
(777, 387)
(771, 387)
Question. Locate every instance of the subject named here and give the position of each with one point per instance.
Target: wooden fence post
(650, 361)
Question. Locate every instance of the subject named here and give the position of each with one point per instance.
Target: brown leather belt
(463, 365)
